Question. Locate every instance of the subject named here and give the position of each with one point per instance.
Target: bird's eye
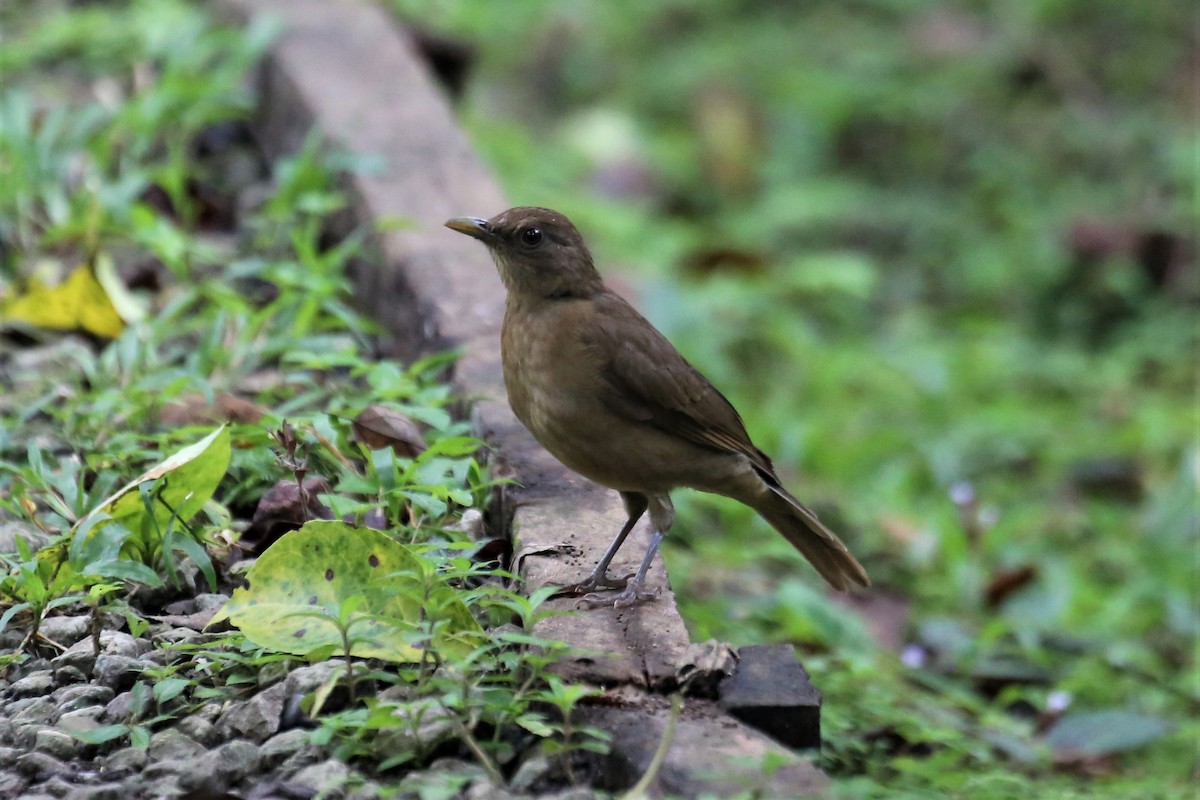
(531, 237)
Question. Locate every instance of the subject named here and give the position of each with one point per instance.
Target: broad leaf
(191, 476)
(1100, 733)
(387, 595)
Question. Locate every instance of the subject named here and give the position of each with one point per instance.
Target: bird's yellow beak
(472, 226)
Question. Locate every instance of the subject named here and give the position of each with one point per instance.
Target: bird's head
(538, 252)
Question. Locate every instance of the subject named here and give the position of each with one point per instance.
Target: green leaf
(100, 735)
(536, 724)
(191, 476)
(12, 611)
(123, 569)
(169, 688)
(321, 567)
(1100, 733)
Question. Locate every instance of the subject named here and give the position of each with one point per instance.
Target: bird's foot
(633, 595)
(593, 583)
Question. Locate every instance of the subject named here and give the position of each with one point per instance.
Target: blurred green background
(942, 258)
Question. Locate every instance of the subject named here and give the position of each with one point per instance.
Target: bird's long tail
(821, 546)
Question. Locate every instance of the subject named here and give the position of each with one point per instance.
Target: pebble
(81, 719)
(312, 677)
(82, 659)
(170, 744)
(117, 672)
(35, 684)
(65, 676)
(255, 719)
(70, 698)
(11, 784)
(199, 729)
(66, 630)
(218, 770)
(326, 778)
(41, 765)
(36, 711)
(282, 745)
(56, 743)
(103, 791)
(119, 709)
(112, 643)
(131, 759)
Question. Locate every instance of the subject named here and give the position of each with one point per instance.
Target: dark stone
(65, 676)
(170, 745)
(770, 691)
(36, 684)
(256, 719)
(282, 745)
(103, 791)
(35, 711)
(220, 769)
(119, 709)
(41, 765)
(82, 660)
(66, 630)
(117, 672)
(72, 698)
(11, 784)
(128, 759)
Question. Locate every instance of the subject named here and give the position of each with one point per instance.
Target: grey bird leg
(635, 506)
(662, 515)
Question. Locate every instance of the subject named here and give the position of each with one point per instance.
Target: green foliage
(498, 697)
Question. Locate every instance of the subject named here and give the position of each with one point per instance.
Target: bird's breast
(550, 374)
(555, 383)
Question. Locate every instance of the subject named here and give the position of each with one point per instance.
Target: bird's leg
(635, 506)
(633, 593)
(662, 514)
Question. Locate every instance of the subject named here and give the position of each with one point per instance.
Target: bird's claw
(633, 595)
(593, 583)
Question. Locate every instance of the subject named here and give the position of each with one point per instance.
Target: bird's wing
(646, 379)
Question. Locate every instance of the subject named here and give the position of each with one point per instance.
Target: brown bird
(611, 398)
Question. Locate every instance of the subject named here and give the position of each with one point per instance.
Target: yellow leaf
(79, 302)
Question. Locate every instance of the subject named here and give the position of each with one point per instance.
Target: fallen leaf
(280, 510)
(297, 590)
(1007, 581)
(702, 667)
(195, 409)
(378, 427)
(79, 302)
(1096, 734)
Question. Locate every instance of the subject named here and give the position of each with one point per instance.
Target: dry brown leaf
(194, 409)
(378, 427)
(1005, 582)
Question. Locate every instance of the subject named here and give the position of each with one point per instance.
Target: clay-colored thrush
(611, 398)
